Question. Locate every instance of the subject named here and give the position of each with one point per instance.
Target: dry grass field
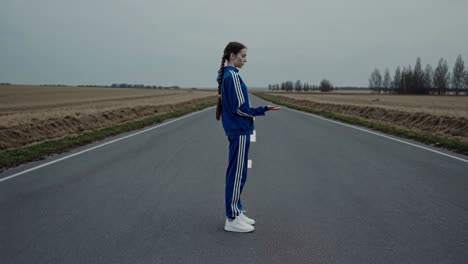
(456, 106)
(438, 115)
(31, 114)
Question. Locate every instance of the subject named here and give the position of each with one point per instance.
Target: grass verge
(13, 157)
(454, 145)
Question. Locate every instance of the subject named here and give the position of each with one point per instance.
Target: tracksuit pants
(236, 174)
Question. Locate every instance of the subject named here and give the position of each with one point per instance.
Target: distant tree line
(114, 85)
(53, 85)
(120, 85)
(126, 85)
(289, 86)
(418, 81)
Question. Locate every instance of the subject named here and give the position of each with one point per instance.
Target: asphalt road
(320, 191)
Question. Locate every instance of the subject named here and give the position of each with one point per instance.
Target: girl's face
(239, 59)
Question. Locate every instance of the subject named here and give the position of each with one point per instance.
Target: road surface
(320, 191)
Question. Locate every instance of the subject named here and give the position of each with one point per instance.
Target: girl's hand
(272, 107)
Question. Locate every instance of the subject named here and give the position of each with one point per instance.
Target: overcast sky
(180, 42)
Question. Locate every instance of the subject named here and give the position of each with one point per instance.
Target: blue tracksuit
(237, 117)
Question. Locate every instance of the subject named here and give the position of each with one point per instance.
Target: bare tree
(298, 86)
(418, 75)
(387, 81)
(325, 86)
(407, 80)
(457, 76)
(441, 77)
(290, 85)
(375, 81)
(465, 81)
(396, 84)
(428, 77)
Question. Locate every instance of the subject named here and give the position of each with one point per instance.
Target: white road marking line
(381, 135)
(249, 164)
(95, 147)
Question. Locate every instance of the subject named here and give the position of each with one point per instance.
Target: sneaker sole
(230, 229)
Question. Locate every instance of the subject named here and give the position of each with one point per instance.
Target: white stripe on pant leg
(239, 183)
(236, 179)
(241, 172)
(239, 178)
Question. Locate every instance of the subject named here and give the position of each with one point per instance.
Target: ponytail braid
(220, 82)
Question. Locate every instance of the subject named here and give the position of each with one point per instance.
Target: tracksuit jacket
(237, 115)
(237, 118)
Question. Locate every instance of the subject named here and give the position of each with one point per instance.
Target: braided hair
(232, 47)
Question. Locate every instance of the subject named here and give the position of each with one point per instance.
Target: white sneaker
(245, 219)
(237, 225)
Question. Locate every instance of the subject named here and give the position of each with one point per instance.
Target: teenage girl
(238, 122)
